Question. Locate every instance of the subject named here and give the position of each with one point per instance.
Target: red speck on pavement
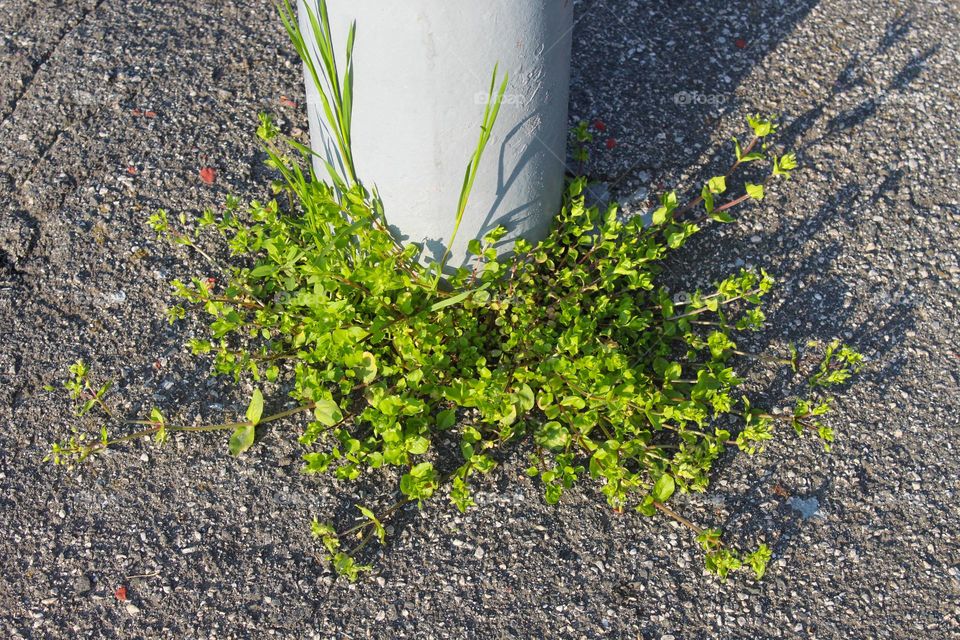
(132, 171)
(208, 175)
(740, 43)
(121, 593)
(600, 125)
(151, 114)
(287, 102)
(136, 113)
(611, 143)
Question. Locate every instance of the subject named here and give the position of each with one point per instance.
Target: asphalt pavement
(109, 109)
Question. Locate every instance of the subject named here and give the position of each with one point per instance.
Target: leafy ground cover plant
(571, 344)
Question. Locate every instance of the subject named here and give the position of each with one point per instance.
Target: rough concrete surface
(109, 108)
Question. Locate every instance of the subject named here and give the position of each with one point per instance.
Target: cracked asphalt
(110, 108)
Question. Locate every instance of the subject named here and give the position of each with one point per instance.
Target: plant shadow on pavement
(661, 89)
(817, 303)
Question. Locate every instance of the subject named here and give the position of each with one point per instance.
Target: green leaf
(242, 439)
(663, 488)
(422, 470)
(708, 199)
(255, 408)
(762, 127)
(646, 507)
(717, 184)
(755, 191)
(668, 203)
(263, 270)
(328, 412)
(471, 435)
(783, 165)
(552, 493)
(368, 368)
(460, 494)
(759, 559)
(378, 529)
(721, 216)
(721, 562)
(460, 297)
(418, 445)
(660, 215)
(345, 566)
(525, 394)
(483, 463)
(420, 482)
(553, 435)
(672, 372)
(446, 419)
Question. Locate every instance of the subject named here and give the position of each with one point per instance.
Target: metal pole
(423, 69)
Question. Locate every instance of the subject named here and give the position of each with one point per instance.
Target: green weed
(569, 345)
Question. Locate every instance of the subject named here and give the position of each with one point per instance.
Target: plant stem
(696, 312)
(679, 518)
(762, 357)
(156, 427)
(697, 200)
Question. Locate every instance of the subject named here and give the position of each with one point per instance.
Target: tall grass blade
(336, 94)
(490, 115)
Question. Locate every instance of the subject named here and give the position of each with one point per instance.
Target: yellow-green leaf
(255, 409)
(327, 412)
(242, 439)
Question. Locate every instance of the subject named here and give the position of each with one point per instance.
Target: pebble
(132, 609)
(808, 507)
(82, 585)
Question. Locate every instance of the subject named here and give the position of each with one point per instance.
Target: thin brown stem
(679, 518)
(697, 200)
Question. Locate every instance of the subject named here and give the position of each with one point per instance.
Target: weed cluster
(570, 343)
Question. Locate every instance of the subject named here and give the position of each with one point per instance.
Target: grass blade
(490, 114)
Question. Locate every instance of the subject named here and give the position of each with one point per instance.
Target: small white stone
(132, 609)
(117, 297)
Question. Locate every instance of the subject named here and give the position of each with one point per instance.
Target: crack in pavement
(36, 66)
